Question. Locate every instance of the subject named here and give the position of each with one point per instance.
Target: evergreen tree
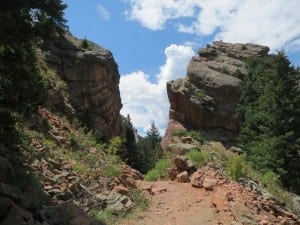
(269, 108)
(23, 26)
(143, 154)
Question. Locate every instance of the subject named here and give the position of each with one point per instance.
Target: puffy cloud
(104, 13)
(274, 23)
(155, 13)
(145, 101)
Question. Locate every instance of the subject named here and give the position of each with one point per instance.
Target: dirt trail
(173, 203)
(181, 204)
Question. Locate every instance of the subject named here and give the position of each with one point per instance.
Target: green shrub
(115, 145)
(197, 156)
(270, 180)
(235, 167)
(140, 202)
(105, 216)
(159, 171)
(112, 171)
(85, 44)
(196, 135)
(80, 168)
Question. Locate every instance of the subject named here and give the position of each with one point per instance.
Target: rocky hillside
(58, 171)
(206, 99)
(92, 80)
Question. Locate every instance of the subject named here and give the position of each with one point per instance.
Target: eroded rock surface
(206, 99)
(92, 77)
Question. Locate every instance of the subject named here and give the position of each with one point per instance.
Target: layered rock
(92, 78)
(206, 99)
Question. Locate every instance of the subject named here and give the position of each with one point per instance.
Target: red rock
(173, 172)
(209, 183)
(121, 190)
(197, 179)
(157, 190)
(183, 177)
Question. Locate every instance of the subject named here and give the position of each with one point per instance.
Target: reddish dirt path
(180, 204)
(228, 203)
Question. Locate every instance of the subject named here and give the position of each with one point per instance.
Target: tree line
(270, 112)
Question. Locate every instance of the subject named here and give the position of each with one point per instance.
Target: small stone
(183, 177)
(120, 189)
(209, 183)
(197, 180)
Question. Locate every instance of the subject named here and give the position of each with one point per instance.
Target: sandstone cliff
(92, 79)
(206, 99)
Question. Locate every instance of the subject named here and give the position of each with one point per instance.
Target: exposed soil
(173, 203)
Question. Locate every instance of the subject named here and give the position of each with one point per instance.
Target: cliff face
(206, 99)
(92, 79)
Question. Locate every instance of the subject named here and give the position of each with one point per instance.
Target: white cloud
(155, 13)
(270, 22)
(104, 13)
(145, 101)
(274, 23)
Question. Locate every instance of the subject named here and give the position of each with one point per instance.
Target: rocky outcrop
(92, 79)
(206, 99)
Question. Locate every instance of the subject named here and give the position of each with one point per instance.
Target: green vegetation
(270, 110)
(196, 135)
(112, 171)
(192, 89)
(108, 216)
(144, 153)
(198, 157)
(85, 44)
(235, 167)
(23, 27)
(159, 171)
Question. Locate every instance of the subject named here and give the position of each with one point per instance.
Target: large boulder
(206, 99)
(92, 77)
(115, 201)
(183, 163)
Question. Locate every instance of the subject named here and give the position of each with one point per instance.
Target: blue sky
(153, 40)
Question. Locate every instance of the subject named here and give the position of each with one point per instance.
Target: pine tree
(269, 108)
(23, 26)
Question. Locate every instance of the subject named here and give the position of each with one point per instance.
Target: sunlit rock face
(92, 77)
(206, 99)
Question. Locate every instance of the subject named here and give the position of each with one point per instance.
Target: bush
(112, 171)
(235, 167)
(115, 145)
(159, 171)
(270, 180)
(140, 202)
(196, 135)
(85, 44)
(105, 216)
(196, 156)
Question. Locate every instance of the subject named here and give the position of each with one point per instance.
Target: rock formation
(206, 99)
(92, 79)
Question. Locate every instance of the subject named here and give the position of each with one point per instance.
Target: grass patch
(235, 167)
(105, 216)
(159, 171)
(198, 157)
(111, 217)
(112, 171)
(140, 202)
(196, 135)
